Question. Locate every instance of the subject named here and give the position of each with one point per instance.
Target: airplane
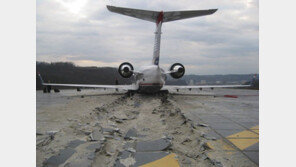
(151, 78)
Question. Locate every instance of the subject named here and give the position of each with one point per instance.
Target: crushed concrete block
(146, 157)
(155, 145)
(79, 163)
(145, 129)
(209, 137)
(109, 131)
(202, 125)
(75, 143)
(52, 132)
(203, 156)
(131, 150)
(186, 140)
(135, 112)
(216, 163)
(95, 147)
(129, 145)
(96, 135)
(205, 146)
(131, 134)
(62, 156)
(122, 155)
(108, 136)
(45, 140)
(186, 161)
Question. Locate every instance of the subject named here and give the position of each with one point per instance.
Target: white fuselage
(151, 79)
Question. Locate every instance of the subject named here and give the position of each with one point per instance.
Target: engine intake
(178, 70)
(126, 70)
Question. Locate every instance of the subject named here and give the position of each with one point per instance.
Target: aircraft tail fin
(152, 16)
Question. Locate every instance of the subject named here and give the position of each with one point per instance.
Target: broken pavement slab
(121, 157)
(96, 135)
(75, 143)
(155, 145)
(59, 159)
(131, 134)
(94, 146)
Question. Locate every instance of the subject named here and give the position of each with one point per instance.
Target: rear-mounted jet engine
(126, 70)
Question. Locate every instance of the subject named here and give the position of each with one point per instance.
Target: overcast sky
(86, 33)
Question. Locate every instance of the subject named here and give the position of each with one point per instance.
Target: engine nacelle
(178, 70)
(126, 70)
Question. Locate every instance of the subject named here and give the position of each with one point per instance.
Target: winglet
(41, 80)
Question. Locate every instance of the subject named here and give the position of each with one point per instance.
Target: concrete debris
(146, 157)
(122, 155)
(135, 112)
(208, 137)
(178, 110)
(131, 150)
(52, 132)
(119, 121)
(186, 141)
(45, 140)
(216, 163)
(153, 111)
(145, 129)
(87, 132)
(75, 143)
(172, 114)
(192, 155)
(129, 145)
(176, 132)
(203, 156)
(205, 146)
(131, 134)
(110, 150)
(79, 163)
(186, 161)
(108, 136)
(128, 161)
(96, 135)
(155, 145)
(109, 131)
(192, 125)
(137, 104)
(62, 156)
(202, 125)
(94, 147)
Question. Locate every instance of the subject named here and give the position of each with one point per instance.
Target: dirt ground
(106, 119)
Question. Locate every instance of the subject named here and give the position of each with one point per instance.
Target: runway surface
(233, 121)
(90, 128)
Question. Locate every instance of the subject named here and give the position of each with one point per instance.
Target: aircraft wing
(166, 87)
(123, 87)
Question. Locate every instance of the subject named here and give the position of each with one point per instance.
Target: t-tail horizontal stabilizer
(153, 15)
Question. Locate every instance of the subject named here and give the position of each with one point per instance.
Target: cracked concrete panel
(156, 145)
(60, 158)
(146, 157)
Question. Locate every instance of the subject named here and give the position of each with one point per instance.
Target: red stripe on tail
(159, 18)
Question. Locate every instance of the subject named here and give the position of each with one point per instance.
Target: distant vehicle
(151, 79)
